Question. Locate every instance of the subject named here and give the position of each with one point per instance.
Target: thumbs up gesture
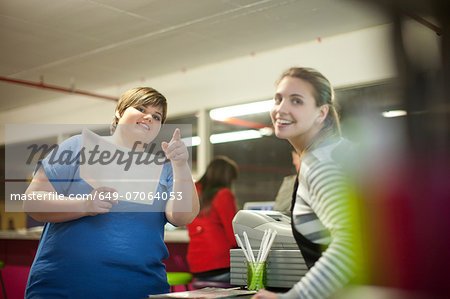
(175, 150)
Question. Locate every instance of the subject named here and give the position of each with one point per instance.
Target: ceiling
(95, 44)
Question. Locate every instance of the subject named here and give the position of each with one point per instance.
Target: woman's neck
(303, 142)
(121, 140)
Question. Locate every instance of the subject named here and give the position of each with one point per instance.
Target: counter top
(22, 234)
(171, 236)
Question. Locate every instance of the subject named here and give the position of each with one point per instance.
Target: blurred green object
(179, 278)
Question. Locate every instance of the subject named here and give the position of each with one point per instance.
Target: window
(190, 121)
(263, 160)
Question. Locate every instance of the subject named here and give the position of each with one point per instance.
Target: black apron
(311, 252)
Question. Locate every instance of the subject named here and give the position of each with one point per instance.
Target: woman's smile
(282, 123)
(143, 125)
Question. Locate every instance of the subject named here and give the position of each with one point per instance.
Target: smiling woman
(138, 116)
(321, 217)
(304, 107)
(85, 240)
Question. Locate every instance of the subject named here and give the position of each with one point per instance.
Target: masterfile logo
(136, 174)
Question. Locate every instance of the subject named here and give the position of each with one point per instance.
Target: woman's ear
(323, 112)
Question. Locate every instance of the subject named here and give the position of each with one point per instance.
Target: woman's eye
(140, 109)
(297, 101)
(277, 100)
(156, 117)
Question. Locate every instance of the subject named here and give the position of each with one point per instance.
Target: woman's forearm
(185, 207)
(44, 206)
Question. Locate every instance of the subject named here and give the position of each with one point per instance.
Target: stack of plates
(284, 267)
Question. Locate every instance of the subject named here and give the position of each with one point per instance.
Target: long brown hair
(220, 173)
(323, 95)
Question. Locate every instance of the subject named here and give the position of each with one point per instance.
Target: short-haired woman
(88, 250)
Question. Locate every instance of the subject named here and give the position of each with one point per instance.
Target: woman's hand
(100, 201)
(176, 150)
(180, 212)
(66, 209)
(263, 294)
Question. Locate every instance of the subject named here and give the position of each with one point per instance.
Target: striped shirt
(322, 214)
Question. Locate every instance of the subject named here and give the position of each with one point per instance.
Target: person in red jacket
(211, 233)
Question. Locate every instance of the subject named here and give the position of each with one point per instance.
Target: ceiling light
(191, 141)
(229, 137)
(267, 131)
(393, 113)
(239, 110)
(234, 136)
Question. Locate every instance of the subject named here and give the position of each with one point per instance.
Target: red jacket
(212, 234)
